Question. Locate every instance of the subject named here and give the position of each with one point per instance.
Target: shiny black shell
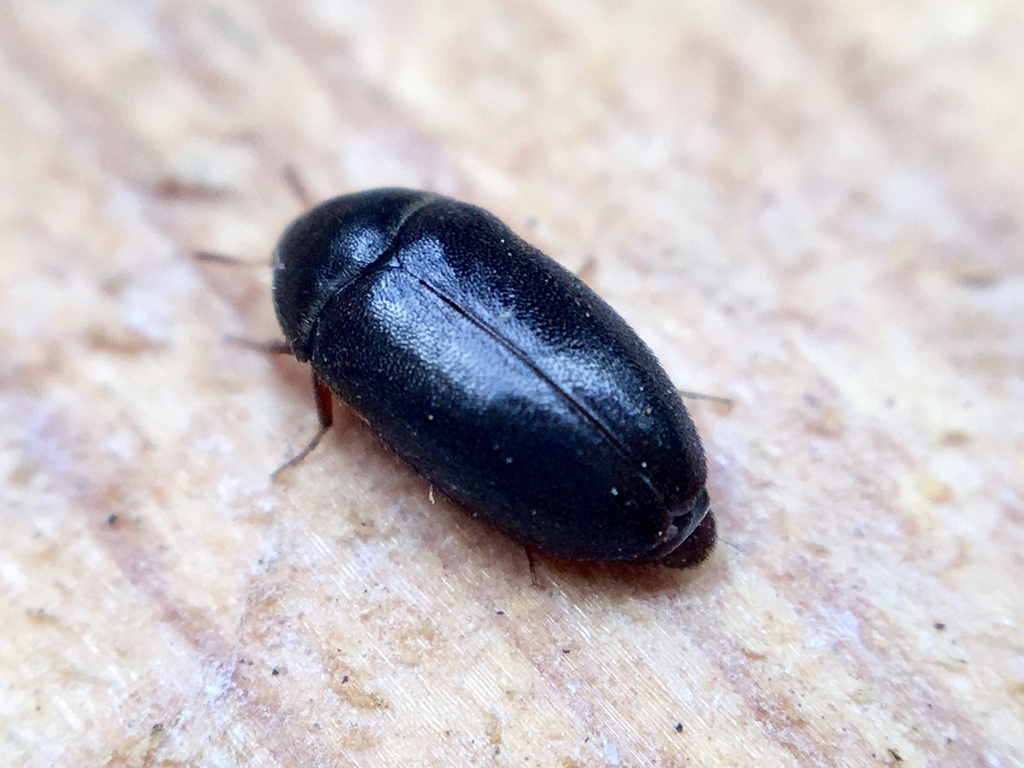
(496, 374)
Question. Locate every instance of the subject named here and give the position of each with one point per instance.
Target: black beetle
(496, 374)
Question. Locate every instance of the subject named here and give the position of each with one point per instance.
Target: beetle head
(329, 247)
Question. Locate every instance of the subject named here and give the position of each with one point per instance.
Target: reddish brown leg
(324, 406)
(324, 410)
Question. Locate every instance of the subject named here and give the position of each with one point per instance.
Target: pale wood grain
(814, 208)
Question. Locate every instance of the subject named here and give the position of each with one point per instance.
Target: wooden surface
(813, 208)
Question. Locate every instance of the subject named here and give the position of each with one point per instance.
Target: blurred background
(812, 208)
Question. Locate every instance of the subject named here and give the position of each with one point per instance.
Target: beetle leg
(223, 258)
(701, 396)
(294, 182)
(325, 411)
(587, 270)
(324, 406)
(533, 567)
(275, 347)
